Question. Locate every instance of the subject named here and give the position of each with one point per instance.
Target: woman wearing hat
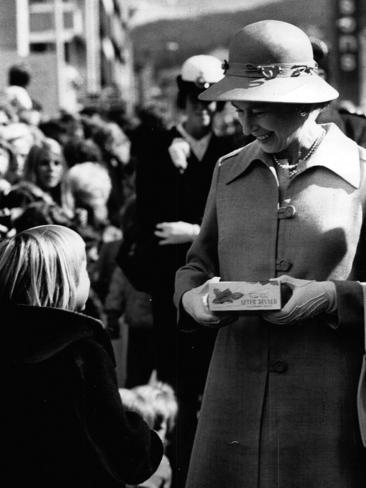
(279, 408)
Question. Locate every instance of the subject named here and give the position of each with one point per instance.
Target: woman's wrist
(195, 231)
(330, 291)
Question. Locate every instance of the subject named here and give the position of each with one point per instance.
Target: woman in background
(43, 181)
(173, 175)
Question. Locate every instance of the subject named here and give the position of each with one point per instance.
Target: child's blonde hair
(132, 401)
(41, 266)
(89, 180)
(162, 398)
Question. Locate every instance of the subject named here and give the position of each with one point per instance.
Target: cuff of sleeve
(184, 320)
(350, 306)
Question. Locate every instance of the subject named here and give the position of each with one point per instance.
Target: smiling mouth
(263, 138)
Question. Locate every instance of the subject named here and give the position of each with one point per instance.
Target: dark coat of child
(64, 424)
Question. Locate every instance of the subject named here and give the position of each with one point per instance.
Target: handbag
(361, 390)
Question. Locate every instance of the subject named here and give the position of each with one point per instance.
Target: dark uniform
(164, 194)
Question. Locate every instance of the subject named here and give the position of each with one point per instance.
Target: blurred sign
(347, 29)
(347, 32)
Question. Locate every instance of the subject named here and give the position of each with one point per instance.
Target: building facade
(74, 48)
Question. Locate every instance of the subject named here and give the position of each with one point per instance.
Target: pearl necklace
(294, 168)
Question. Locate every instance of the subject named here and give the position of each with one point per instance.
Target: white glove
(176, 232)
(309, 298)
(179, 151)
(195, 302)
(5, 186)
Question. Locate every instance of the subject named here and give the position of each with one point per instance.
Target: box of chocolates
(244, 295)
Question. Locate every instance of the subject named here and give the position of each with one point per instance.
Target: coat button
(283, 265)
(286, 212)
(277, 366)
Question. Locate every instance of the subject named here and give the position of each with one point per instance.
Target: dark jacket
(164, 194)
(64, 424)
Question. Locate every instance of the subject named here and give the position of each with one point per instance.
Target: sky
(151, 10)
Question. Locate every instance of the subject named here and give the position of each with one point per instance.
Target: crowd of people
(109, 218)
(125, 187)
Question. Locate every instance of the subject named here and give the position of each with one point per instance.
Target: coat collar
(34, 334)
(337, 153)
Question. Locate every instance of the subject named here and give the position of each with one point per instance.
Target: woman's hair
(41, 266)
(36, 155)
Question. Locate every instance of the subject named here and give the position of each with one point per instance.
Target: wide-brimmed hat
(271, 61)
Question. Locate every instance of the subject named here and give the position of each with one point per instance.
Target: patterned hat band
(269, 71)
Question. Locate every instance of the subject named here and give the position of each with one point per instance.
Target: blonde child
(157, 404)
(64, 423)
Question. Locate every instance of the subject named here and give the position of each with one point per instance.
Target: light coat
(279, 408)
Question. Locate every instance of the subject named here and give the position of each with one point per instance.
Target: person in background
(8, 114)
(90, 185)
(173, 175)
(18, 98)
(156, 402)
(352, 123)
(54, 129)
(19, 75)
(280, 401)
(21, 138)
(32, 117)
(44, 181)
(6, 158)
(128, 311)
(115, 147)
(28, 110)
(82, 150)
(63, 422)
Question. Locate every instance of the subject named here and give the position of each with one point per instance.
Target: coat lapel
(244, 159)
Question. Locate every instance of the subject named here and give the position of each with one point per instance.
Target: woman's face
(199, 113)
(82, 292)
(49, 170)
(276, 126)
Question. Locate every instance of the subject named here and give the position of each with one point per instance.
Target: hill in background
(167, 43)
